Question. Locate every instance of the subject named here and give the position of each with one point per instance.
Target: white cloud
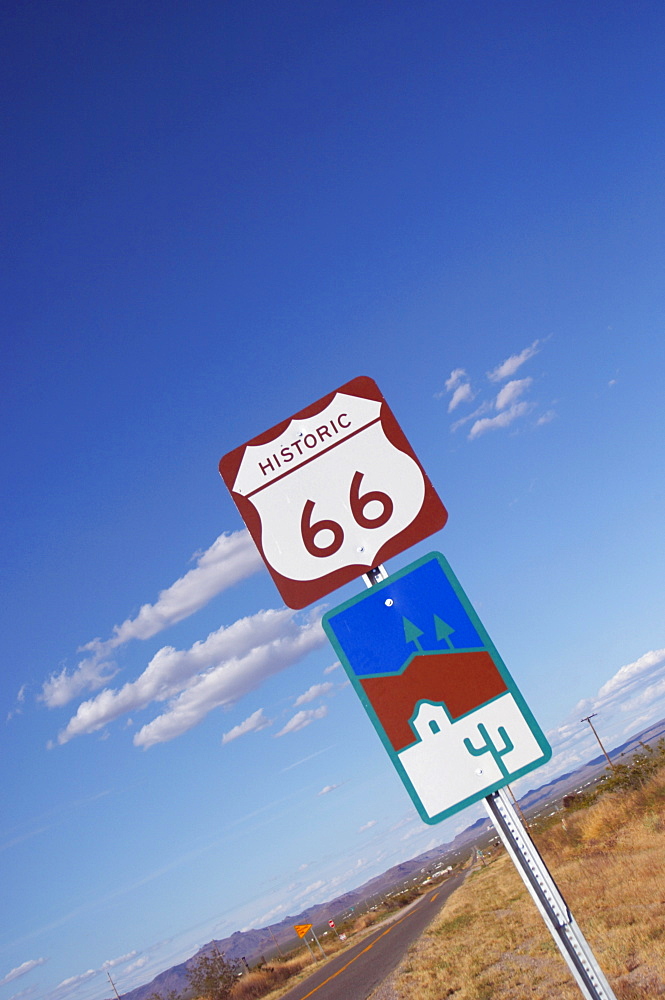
(632, 675)
(229, 681)
(511, 391)
(112, 962)
(511, 364)
(315, 691)
(503, 419)
(302, 719)
(68, 985)
(327, 789)
(647, 697)
(406, 820)
(635, 686)
(253, 724)
(367, 826)
(478, 412)
(29, 991)
(171, 670)
(230, 558)
(215, 671)
(333, 666)
(18, 707)
(457, 383)
(504, 408)
(89, 675)
(313, 887)
(462, 394)
(264, 919)
(138, 964)
(22, 970)
(454, 379)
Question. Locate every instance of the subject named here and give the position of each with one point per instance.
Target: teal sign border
(329, 628)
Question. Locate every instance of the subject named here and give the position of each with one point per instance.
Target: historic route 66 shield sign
(332, 492)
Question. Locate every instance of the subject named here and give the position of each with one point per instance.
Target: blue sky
(214, 214)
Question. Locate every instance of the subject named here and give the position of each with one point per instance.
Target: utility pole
(588, 719)
(517, 806)
(113, 985)
(276, 942)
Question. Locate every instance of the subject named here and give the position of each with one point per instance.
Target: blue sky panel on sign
(372, 634)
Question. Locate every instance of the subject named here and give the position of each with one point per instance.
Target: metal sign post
(302, 930)
(328, 495)
(522, 850)
(319, 943)
(551, 904)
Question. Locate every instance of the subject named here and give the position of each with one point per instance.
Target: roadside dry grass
(272, 980)
(490, 942)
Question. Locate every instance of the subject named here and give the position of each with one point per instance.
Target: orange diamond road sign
(301, 929)
(332, 492)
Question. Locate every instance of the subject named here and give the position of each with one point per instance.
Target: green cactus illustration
(490, 747)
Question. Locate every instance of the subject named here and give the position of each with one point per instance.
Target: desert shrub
(260, 982)
(637, 771)
(579, 800)
(211, 976)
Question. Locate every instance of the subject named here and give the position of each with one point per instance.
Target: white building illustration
(454, 760)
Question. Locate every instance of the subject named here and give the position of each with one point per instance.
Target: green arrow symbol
(412, 633)
(443, 631)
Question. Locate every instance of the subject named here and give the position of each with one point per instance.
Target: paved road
(355, 973)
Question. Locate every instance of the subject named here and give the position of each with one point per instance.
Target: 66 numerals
(358, 502)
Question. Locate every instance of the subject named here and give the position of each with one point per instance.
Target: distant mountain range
(565, 783)
(254, 943)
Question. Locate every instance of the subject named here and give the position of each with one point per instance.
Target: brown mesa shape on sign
(461, 681)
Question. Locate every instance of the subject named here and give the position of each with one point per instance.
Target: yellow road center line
(369, 946)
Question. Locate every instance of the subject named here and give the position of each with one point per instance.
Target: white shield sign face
(316, 521)
(332, 492)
